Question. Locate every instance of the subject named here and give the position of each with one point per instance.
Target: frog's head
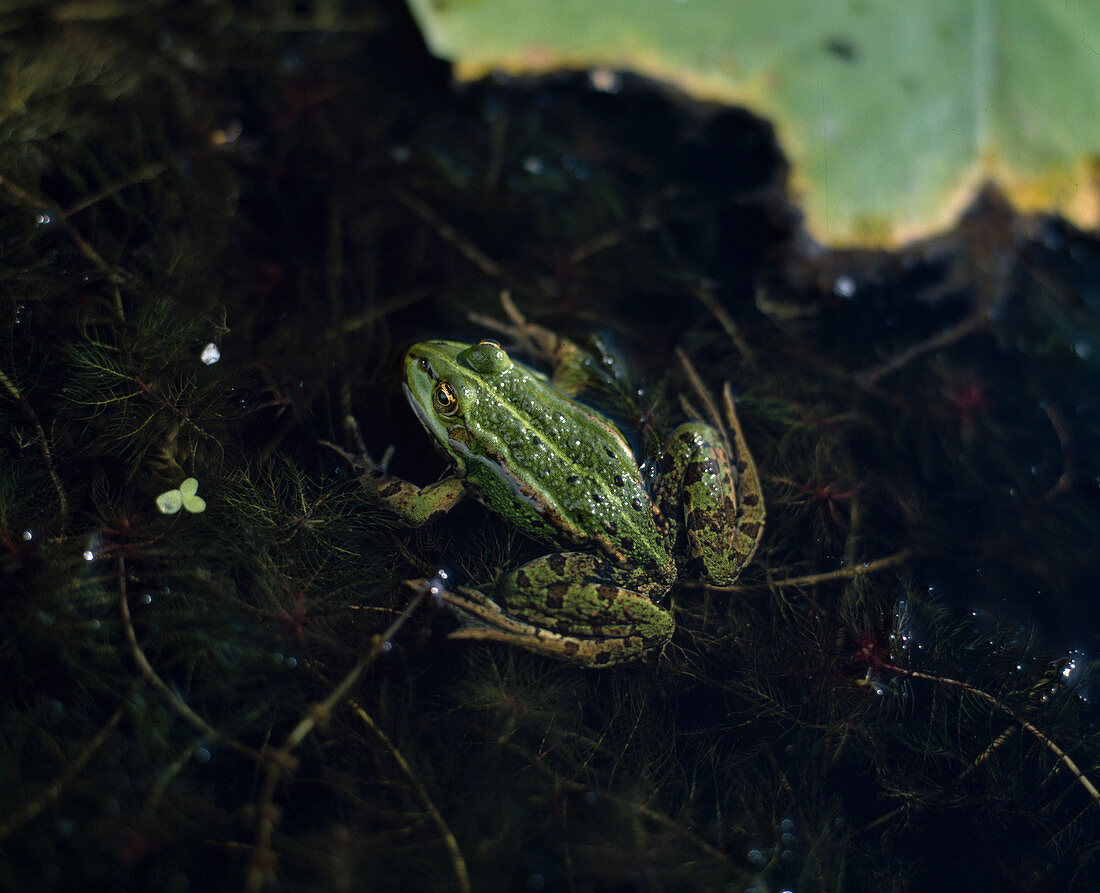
(444, 382)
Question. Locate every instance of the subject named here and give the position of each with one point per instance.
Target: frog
(565, 475)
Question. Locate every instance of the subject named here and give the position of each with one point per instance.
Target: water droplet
(210, 354)
(225, 136)
(604, 80)
(844, 287)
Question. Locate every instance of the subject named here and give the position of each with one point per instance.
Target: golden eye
(445, 399)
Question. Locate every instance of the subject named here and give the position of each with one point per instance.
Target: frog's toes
(530, 337)
(363, 463)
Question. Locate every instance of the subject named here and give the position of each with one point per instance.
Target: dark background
(879, 704)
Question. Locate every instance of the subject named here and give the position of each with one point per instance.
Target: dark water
(888, 698)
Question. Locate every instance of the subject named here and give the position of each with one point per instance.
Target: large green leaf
(892, 112)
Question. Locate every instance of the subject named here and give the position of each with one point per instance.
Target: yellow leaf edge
(1072, 190)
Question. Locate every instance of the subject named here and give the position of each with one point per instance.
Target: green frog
(565, 475)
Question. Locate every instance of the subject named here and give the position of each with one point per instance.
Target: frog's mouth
(431, 425)
(417, 380)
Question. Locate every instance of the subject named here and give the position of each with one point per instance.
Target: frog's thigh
(556, 605)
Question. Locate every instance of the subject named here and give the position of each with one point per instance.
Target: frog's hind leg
(484, 622)
(711, 488)
(554, 606)
(750, 496)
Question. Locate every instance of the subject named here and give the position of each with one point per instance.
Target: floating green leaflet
(891, 113)
(171, 501)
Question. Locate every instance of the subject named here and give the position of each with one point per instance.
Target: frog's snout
(410, 360)
(415, 372)
(416, 364)
(417, 380)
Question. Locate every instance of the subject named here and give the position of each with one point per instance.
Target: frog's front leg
(414, 506)
(565, 606)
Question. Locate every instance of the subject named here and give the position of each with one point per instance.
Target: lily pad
(892, 113)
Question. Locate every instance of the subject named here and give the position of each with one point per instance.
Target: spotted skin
(717, 496)
(564, 474)
(568, 611)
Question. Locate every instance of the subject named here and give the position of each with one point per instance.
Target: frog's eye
(445, 399)
(485, 357)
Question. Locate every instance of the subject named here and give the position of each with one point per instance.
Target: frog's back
(553, 467)
(571, 467)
